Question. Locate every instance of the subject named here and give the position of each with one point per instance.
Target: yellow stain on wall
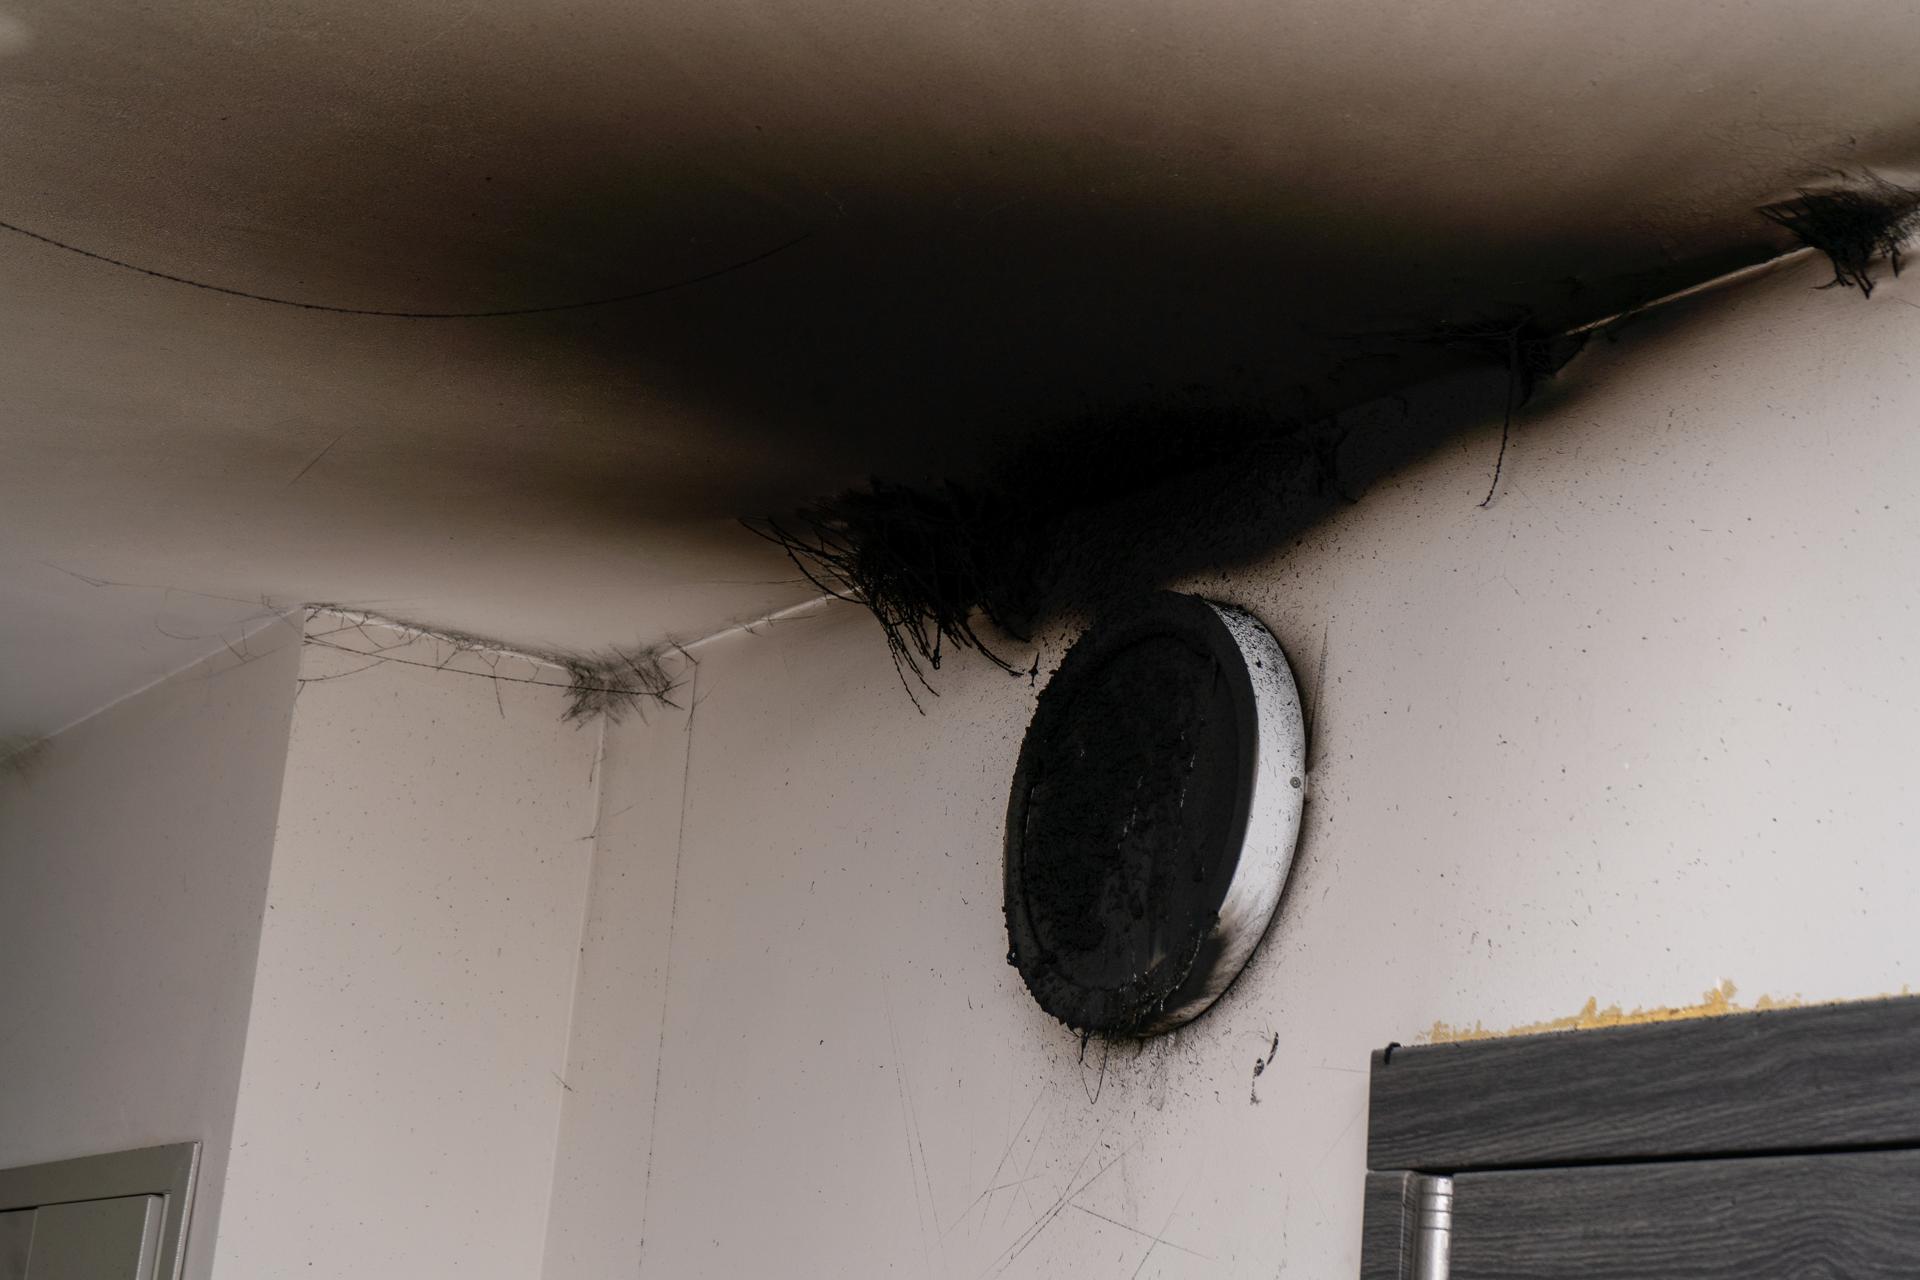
(1713, 1004)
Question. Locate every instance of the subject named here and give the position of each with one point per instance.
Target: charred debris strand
(1035, 534)
(926, 560)
(613, 683)
(1853, 226)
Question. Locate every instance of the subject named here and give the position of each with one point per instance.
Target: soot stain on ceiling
(1063, 511)
(1103, 507)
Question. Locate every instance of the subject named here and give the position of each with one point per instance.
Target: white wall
(400, 1096)
(603, 1174)
(1643, 725)
(134, 849)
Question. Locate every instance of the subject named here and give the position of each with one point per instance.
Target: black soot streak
(1259, 1066)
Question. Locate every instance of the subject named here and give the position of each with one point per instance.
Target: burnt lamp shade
(1154, 814)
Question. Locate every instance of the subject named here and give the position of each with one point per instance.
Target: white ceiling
(995, 215)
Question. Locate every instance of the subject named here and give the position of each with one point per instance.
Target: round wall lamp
(1154, 814)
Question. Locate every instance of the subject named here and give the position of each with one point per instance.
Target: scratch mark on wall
(917, 1175)
(1026, 1170)
(1339, 1138)
(1035, 1229)
(1001, 1186)
(993, 1179)
(1160, 1238)
(315, 461)
(1144, 1234)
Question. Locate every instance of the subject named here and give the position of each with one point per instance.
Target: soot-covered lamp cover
(1154, 815)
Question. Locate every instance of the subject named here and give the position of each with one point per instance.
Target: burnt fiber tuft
(1853, 225)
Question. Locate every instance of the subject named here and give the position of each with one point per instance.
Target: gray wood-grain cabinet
(1772, 1146)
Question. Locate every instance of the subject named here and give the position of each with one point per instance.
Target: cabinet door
(95, 1239)
(121, 1216)
(1816, 1217)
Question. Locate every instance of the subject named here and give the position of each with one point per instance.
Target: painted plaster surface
(1644, 723)
(134, 850)
(603, 1175)
(401, 1089)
